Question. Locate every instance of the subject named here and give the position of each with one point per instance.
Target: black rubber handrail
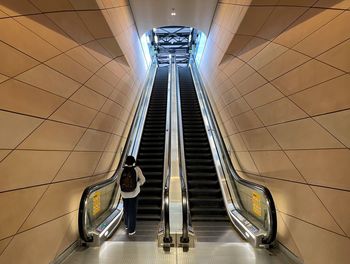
(232, 172)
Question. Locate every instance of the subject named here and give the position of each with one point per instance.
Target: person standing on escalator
(129, 182)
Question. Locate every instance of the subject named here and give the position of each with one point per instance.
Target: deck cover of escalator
(151, 152)
(206, 202)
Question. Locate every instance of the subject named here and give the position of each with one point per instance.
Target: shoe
(133, 233)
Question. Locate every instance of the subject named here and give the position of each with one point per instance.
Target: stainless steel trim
(228, 176)
(167, 239)
(186, 214)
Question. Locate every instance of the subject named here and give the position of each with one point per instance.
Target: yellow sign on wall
(96, 203)
(256, 201)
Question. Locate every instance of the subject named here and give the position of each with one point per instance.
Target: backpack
(128, 180)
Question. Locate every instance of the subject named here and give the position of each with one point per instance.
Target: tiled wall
(278, 74)
(70, 72)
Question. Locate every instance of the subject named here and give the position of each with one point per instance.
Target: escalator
(151, 152)
(205, 197)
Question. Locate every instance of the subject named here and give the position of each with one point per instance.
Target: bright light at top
(173, 13)
(156, 38)
(145, 47)
(154, 30)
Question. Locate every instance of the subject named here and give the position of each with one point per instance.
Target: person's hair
(130, 161)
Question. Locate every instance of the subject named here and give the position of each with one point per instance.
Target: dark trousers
(130, 209)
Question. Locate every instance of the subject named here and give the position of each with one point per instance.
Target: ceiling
(150, 14)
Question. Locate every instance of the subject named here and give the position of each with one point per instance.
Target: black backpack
(128, 180)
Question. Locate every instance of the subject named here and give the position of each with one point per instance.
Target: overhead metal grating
(173, 40)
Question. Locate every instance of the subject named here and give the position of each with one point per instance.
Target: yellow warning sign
(96, 203)
(256, 201)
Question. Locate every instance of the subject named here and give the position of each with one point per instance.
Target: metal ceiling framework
(173, 40)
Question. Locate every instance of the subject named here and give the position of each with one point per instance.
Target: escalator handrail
(131, 148)
(272, 220)
(167, 163)
(186, 214)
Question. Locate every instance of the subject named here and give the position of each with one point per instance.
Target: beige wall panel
(251, 83)
(70, 23)
(326, 97)
(104, 123)
(50, 80)
(88, 97)
(107, 163)
(84, 5)
(47, 30)
(15, 128)
(263, 95)
(53, 136)
(282, 64)
(285, 237)
(245, 162)
(254, 18)
(276, 164)
(238, 107)
(99, 85)
(241, 74)
(230, 127)
(279, 19)
(79, 164)
(338, 56)
(259, 139)
(309, 22)
(237, 44)
(237, 143)
(15, 206)
(269, 53)
(10, 55)
(3, 78)
(313, 241)
(248, 120)
(324, 167)
(230, 95)
(26, 41)
(112, 108)
(279, 111)
(113, 143)
(97, 51)
(105, 74)
(49, 6)
(6, 241)
(119, 127)
(20, 97)
(338, 124)
(74, 113)
(290, 198)
(224, 114)
(70, 68)
(14, 8)
(233, 66)
(36, 167)
(70, 236)
(3, 154)
(38, 245)
(303, 134)
(93, 141)
(96, 24)
(337, 203)
(326, 37)
(309, 74)
(342, 4)
(83, 57)
(64, 197)
(252, 48)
